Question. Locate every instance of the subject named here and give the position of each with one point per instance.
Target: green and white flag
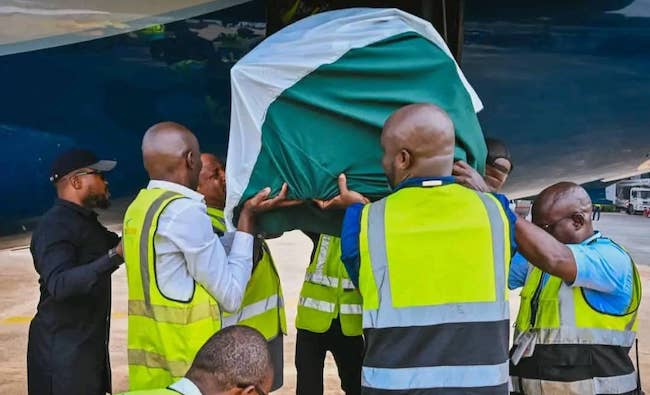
(309, 103)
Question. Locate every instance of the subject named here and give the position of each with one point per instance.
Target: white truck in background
(633, 196)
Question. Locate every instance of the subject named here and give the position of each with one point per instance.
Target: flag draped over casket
(309, 103)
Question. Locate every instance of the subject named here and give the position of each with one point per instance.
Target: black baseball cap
(76, 158)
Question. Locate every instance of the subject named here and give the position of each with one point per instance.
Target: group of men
(411, 298)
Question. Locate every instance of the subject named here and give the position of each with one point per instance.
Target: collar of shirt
(178, 188)
(425, 182)
(186, 387)
(591, 238)
(73, 206)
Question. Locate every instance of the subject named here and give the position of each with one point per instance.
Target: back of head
(418, 141)
(498, 163)
(496, 149)
(170, 152)
(235, 356)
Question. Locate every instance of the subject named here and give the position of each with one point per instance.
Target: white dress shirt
(186, 387)
(188, 250)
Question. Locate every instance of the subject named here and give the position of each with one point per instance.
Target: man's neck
(71, 199)
(174, 179)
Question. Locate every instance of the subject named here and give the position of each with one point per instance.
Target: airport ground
(19, 296)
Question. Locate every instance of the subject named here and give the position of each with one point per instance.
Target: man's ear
(404, 159)
(190, 160)
(75, 182)
(578, 220)
(250, 390)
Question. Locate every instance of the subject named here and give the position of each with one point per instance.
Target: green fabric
(330, 122)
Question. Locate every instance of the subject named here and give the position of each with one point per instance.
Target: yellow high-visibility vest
(328, 292)
(590, 346)
(433, 264)
(262, 307)
(163, 334)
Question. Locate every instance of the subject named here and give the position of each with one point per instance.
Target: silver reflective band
(351, 309)
(321, 279)
(144, 241)
(567, 308)
(597, 385)
(347, 284)
(322, 254)
(573, 335)
(328, 281)
(471, 376)
(317, 304)
(435, 315)
(252, 310)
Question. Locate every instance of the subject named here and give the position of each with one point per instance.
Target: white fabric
(286, 57)
(187, 250)
(186, 387)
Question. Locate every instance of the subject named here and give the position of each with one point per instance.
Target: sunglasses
(549, 227)
(255, 386)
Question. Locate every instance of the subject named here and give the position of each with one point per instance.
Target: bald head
(563, 209)
(170, 152)
(418, 141)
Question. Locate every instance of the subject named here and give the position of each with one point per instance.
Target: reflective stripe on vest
(436, 377)
(174, 315)
(598, 385)
(328, 292)
(155, 360)
(252, 310)
(317, 304)
(416, 325)
(328, 281)
(568, 333)
(164, 334)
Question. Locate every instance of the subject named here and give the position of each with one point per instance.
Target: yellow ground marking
(23, 319)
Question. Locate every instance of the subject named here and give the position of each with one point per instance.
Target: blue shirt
(518, 271)
(352, 224)
(604, 272)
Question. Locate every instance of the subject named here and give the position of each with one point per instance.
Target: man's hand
(466, 176)
(261, 202)
(119, 249)
(344, 199)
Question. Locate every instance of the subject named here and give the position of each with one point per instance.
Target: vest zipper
(534, 303)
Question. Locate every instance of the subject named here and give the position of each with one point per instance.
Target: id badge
(525, 346)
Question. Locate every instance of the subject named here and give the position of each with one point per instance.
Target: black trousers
(276, 348)
(310, 359)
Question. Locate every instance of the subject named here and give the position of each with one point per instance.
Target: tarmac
(19, 297)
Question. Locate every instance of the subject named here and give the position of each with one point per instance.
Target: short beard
(96, 201)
